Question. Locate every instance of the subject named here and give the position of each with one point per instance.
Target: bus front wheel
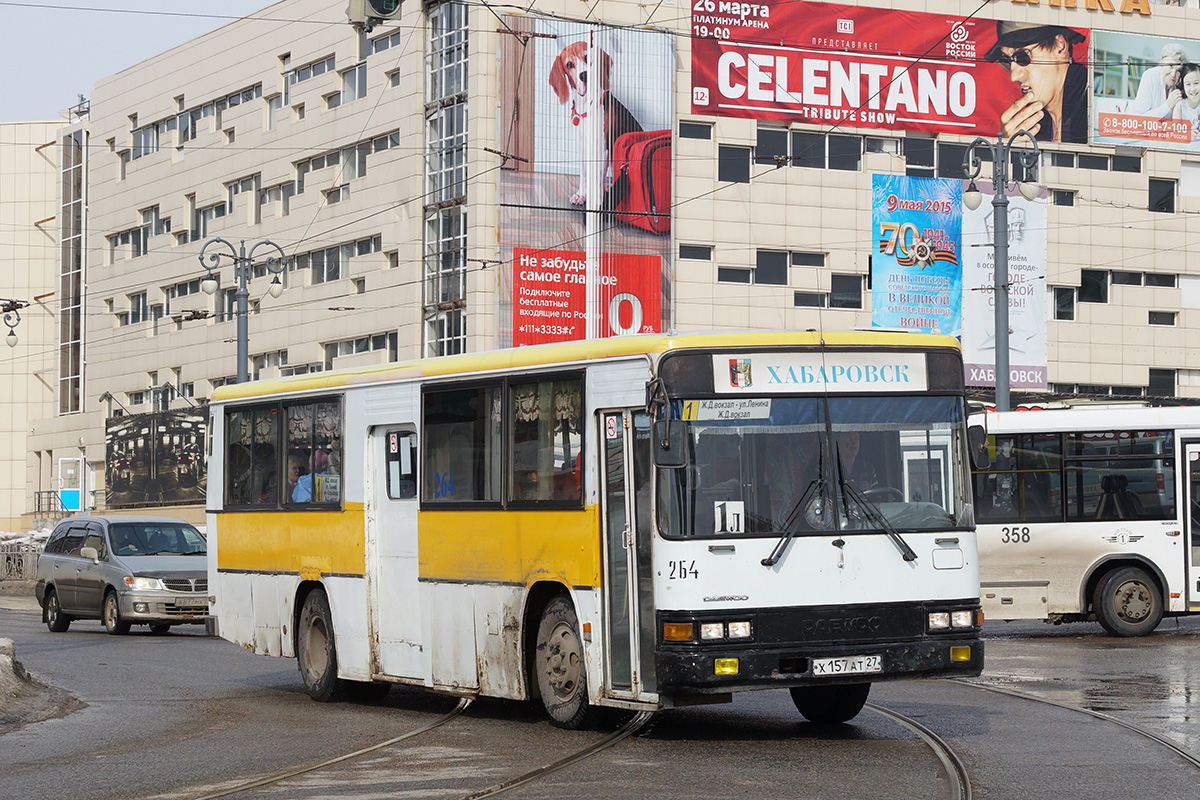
(831, 704)
(315, 649)
(560, 668)
(1128, 602)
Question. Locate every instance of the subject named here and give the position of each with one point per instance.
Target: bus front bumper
(703, 670)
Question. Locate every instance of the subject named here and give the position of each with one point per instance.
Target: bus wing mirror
(977, 443)
(670, 443)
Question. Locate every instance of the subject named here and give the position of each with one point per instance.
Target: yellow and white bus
(639, 522)
(1091, 514)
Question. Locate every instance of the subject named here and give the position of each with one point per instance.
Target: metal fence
(18, 562)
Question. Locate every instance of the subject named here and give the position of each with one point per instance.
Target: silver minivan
(124, 571)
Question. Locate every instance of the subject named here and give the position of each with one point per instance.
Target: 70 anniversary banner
(858, 67)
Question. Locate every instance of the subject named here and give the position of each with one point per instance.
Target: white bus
(640, 522)
(1090, 514)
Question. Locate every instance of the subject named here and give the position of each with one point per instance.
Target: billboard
(916, 278)
(1026, 291)
(585, 126)
(155, 459)
(1146, 91)
(857, 67)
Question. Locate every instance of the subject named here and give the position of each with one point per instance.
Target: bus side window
(401, 460)
(546, 438)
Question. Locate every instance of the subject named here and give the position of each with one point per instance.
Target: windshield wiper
(817, 487)
(872, 511)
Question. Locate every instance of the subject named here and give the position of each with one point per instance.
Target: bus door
(1191, 456)
(392, 570)
(625, 474)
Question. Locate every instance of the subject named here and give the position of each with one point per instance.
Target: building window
(1162, 318)
(1162, 383)
(1162, 195)
(695, 130)
(845, 291)
(802, 259)
(698, 252)
(919, 156)
(337, 194)
(1064, 303)
(1058, 159)
(771, 268)
(878, 144)
(733, 275)
(808, 300)
(354, 84)
(1126, 163)
(70, 302)
(204, 217)
(1164, 280)
(139, 311)
(1064, 197)
(772, 147)
(950, 160)
(1093, 286)
(1120, 278)
(445, 268)
(733, 164)
(1091, 161)
(826, 151)
(311, 70)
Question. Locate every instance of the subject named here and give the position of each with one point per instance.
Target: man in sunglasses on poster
(1040, 60)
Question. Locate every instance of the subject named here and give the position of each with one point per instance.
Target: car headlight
(139, 582)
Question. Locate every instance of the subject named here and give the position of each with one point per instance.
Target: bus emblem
(739, 372)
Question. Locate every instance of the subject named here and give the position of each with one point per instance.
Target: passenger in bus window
(303, 493)
(295, 470)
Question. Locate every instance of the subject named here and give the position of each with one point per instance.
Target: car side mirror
(669, 443)
(90, 553)
(977, 444)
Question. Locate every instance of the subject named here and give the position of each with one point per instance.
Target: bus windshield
(811, 465)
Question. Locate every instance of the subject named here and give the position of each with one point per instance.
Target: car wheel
(315, 650)
(56, 620)
(560, 668)
(1128, 602)
(159, 629)
(112, 615)
(831, 704)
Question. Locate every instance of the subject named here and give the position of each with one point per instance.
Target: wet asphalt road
(183, 716)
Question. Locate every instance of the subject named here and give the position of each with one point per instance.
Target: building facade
(29, 173)
(461, 179)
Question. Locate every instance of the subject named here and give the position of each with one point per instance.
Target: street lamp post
(242, 268)
(12, 318)
(1002, 156)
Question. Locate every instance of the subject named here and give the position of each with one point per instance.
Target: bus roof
(1081, 418)
(577, 352)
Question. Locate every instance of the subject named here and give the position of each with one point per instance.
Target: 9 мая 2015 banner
(881, 68)
(916, 275)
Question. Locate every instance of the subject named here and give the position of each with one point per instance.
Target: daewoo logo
(834, 625)
(727, 598)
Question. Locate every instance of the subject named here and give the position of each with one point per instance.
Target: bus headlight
(939, 620)
(712, 630)
(962, 619)
(739, 630)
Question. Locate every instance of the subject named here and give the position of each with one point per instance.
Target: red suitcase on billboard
(641, 190)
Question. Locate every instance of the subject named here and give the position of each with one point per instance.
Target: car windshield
(809, 465)
(154, 538)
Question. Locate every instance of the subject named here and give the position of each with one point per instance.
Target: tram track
(953, 766)
(630, 727)
(1179, 750)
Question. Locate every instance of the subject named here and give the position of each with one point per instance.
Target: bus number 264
(1014, 535)
(682, 570)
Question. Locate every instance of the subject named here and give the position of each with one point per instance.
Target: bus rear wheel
(1128, 602)
(831, 704)
(559, 666)
(315, 649)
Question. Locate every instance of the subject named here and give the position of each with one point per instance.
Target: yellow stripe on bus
(312, 543)
(511, 546)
